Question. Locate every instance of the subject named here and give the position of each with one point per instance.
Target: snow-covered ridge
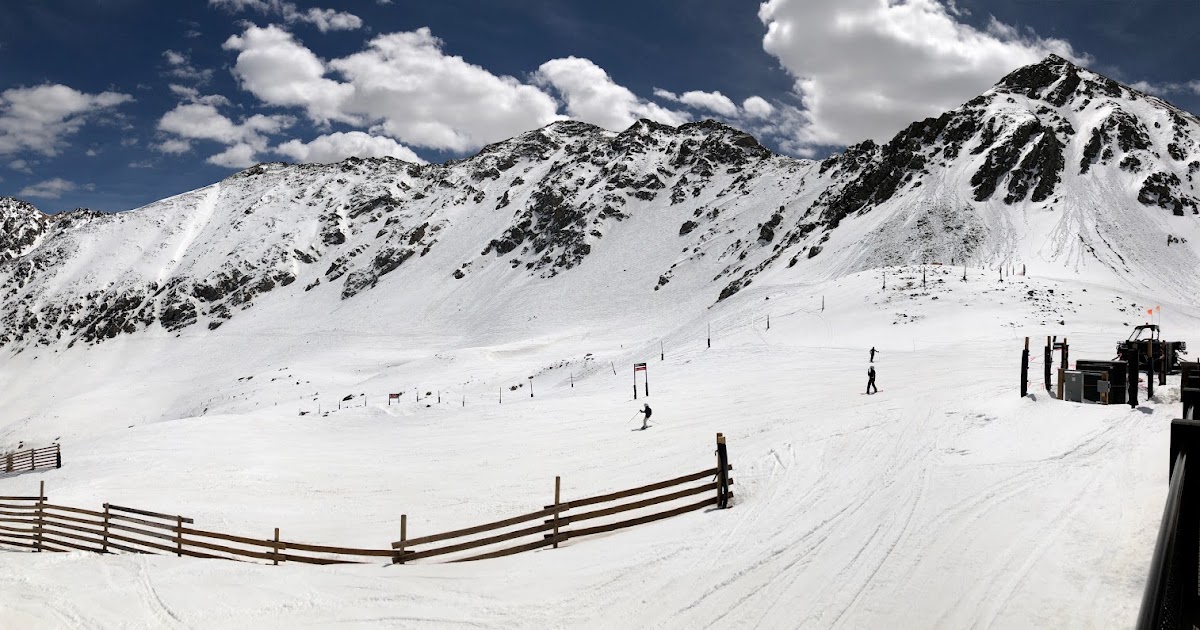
(1056, 168)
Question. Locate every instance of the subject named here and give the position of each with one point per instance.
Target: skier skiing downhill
(872, 354)
(646, 418)
(871, 380)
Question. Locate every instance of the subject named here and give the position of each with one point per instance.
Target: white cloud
(866, 68)
(237, 156)
(279, 71)
(324, 19)
(20, 165)
(193, 95)
(424, 97)
(49, 189)
(39, 118)
(174, 146)
(338, 146)
(199, 121)
(711, 101)
(592, 96)
(758, 107)
(402, 84)
(1168, 88)
(180, 67)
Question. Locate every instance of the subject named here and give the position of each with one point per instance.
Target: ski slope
(944, 501)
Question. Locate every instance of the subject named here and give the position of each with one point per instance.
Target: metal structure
(1170, 352)
(1170, 599)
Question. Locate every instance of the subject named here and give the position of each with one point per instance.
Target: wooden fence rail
(31, 522)
(30, 460)
(714, 480)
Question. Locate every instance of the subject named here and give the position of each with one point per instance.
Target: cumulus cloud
(865, 68)
(324, 19)
(757, 107)
(39, 118)
(336, 147)
(592, 96)
(20, 165)
(425, 97)
(710, 101)
(200, 121)
(273, 66)
(49, 189)
(239, 155)
(402, 84)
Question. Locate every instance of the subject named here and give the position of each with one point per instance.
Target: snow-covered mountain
(1056, 168)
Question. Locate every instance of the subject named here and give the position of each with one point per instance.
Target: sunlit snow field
(945, 500)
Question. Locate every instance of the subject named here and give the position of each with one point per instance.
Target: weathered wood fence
(30, 460)
(32, 522)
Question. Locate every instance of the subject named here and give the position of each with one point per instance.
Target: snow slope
(944, 501)
(191, 357)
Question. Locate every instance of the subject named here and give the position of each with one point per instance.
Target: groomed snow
(944, 501)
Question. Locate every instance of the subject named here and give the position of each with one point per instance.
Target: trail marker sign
(640, 367)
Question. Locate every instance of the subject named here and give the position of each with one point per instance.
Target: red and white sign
(639, 367)
(393, 396)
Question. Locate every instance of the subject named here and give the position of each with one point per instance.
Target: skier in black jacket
(871, 380)
(872, 354)
(646, 418)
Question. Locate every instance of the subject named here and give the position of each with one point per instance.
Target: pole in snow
(710, 335)
(531, 387)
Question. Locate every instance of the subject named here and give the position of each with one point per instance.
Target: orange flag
(1149, 311)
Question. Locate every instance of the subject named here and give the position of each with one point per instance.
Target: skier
(646, 418)
(872, 354)
(871, 380)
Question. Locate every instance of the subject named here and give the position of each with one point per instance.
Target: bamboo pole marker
(557, 489)
(275, 555)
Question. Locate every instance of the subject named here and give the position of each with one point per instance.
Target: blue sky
(111, 104)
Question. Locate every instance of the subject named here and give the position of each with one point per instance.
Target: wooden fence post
(8, 463)
(104, 537)
(557, 488)
(399, 558)
(179, 536)
(57, 456)
(722, 473)
(41, 514)
(275, 549)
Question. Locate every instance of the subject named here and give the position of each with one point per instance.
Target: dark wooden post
(1149, 369)
(1066, 365)
(41, 514)
(8, 463)
(179, 536)
(635, 382)
(399, 557)
(710, 335)
(722, 473)
(1131, 376)
(557, 497)
(104, 536)
(275, 549)
(1025, 369)
(57, 456)
(531, 387)
(768, 321)
(1047, 361)
(1162, 373)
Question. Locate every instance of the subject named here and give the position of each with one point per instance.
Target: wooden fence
(33, 459)
(32, 522)
(560, 515)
